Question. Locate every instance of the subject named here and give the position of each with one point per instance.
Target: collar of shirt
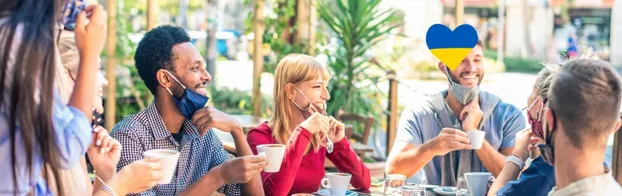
(159, 130)
(589, 184)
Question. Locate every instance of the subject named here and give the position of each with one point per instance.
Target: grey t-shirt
(419, 124)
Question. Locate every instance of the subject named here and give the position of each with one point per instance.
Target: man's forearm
(254, 186)
(492, 159)
(209, 183)
(241, 145)
(410, 161)
(510, 172)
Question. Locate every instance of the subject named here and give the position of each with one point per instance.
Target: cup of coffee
(477, 138)
(274, 156)
(477, 182)
(168, 159)
(336, 183)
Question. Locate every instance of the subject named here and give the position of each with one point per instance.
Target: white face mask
(464, 94)
(307, 110)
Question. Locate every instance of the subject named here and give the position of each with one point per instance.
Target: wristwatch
(517, 161)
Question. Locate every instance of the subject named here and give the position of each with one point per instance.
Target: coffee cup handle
(325, 183)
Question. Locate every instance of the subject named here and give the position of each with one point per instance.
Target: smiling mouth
(201, 90)
(469, 77)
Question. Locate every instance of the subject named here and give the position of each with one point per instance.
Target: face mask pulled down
(190, 101)
(536, 124)
(308, 111)
(464, 94)
(547, 150)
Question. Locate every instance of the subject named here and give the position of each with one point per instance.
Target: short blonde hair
(547, 74)
(293, 68)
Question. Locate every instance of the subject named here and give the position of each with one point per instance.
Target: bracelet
(105, 187)
(517, 161)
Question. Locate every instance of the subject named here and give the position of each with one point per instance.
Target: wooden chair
(367, 121)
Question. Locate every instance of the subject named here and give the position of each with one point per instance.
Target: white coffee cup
(478, 182)
(168, 159)
(336, 183)
(274, 156)
(477, 138)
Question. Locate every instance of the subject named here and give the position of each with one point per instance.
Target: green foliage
(517, 64)
(514, 64)
(233, 101)
(128, 88)
(275, 25)
(358, 25)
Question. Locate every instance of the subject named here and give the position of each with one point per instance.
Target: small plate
(445, 190)
(429, 187)
(323, 192)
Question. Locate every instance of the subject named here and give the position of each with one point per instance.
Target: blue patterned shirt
(198, 154)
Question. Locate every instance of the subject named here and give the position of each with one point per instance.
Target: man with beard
(174, 71)
(433, 134)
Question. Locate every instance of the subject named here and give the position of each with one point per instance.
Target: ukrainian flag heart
(450, 47)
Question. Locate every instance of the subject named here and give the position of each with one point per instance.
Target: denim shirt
(537, 180)
(72, 133)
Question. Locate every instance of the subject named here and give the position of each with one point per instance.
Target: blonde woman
(535, 177)
(300, 97)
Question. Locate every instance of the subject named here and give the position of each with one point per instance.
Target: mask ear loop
(541, 108)
(447, 75)
(303, 95)
(174, 78)
(528, 108)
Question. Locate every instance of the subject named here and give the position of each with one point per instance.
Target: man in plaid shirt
(174, 72)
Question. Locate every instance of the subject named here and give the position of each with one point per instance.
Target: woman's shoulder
(260, 135)
(262, 128)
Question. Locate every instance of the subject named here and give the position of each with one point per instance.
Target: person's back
(36, 127)
(576, 141)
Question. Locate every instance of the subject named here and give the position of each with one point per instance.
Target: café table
(248, 122)
(378, 189)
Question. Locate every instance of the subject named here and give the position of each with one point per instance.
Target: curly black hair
(154, 52)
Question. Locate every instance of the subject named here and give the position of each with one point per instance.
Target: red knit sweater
(301, 173)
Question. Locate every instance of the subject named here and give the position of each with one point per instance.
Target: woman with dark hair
(36, 128)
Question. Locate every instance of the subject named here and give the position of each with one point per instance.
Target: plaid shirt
(198, 154)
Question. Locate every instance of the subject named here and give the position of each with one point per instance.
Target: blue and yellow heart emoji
(450, 47)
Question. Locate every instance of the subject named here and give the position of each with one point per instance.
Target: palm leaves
(358, 25)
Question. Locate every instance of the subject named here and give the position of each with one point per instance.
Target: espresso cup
(274, 156)
(336, 183)
(477, 138)
(167, 158)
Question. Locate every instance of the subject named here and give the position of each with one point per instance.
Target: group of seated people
(52, 102)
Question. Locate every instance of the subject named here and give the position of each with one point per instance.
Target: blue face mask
(190, 101)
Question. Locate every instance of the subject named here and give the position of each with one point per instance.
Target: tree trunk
(526, 22)
(111, 74)
(258, 30)
(210, 51)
